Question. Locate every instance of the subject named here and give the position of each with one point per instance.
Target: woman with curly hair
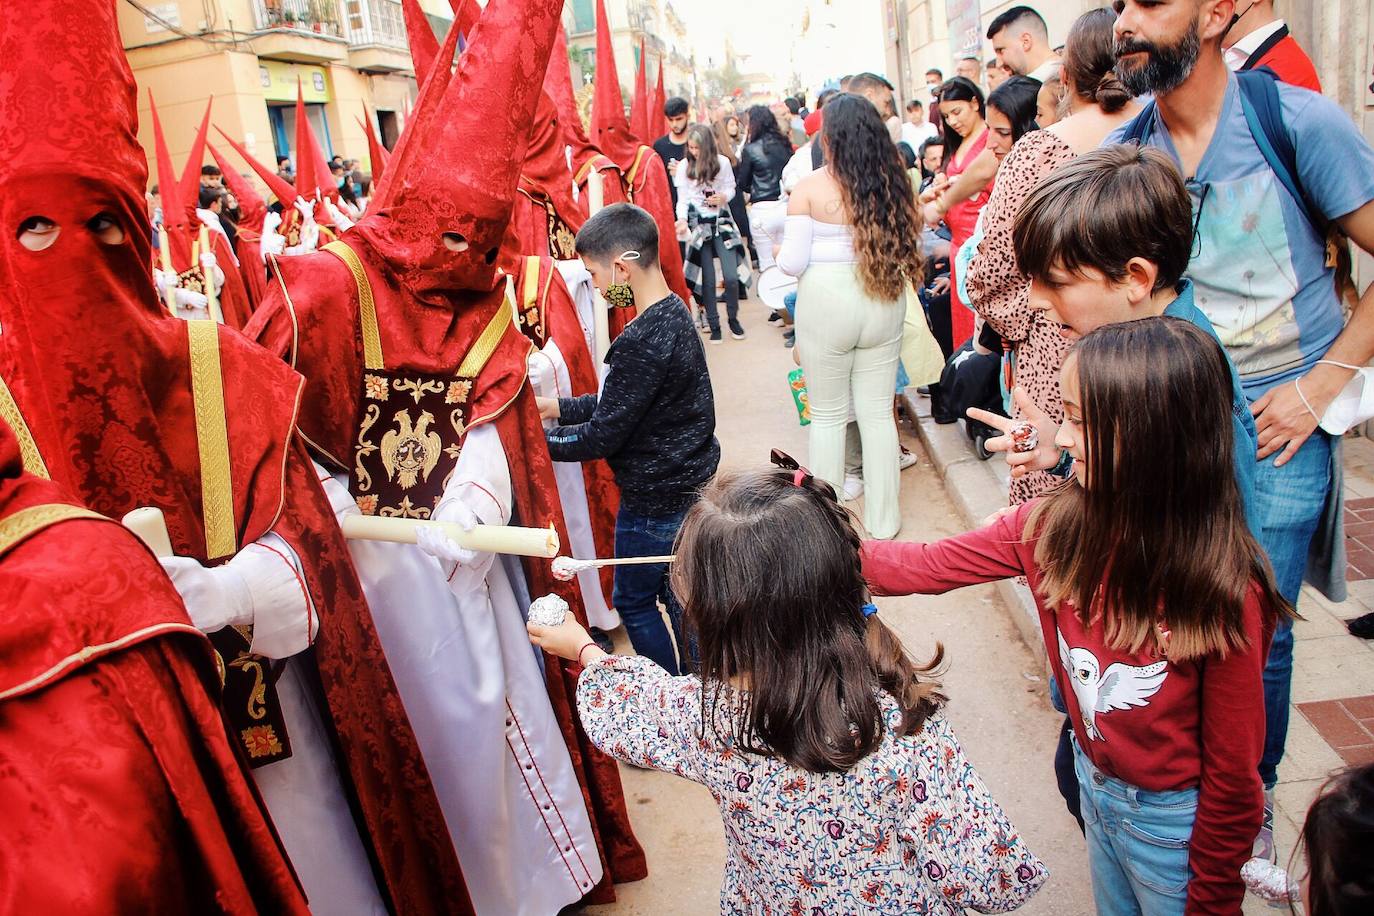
(852, 236)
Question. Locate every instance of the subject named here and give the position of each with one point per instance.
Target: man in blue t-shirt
(1260, 274)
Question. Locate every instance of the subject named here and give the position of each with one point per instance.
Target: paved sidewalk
(1332, 722)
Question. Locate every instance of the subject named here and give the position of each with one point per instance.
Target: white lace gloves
(260, 586)
(310, 230)
(478, 493)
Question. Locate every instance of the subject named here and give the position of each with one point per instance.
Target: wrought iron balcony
(320, 17)
(375, 22)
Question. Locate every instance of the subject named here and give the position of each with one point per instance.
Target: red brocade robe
(121, 790)
(122, 440)
(312, 316)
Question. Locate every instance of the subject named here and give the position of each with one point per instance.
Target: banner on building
(965, 28)
(278, 80)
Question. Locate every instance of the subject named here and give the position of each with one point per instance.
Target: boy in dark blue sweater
(654, 421)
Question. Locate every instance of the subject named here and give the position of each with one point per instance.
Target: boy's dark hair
(792, 105)
(937, 73)
(208, 196)
(675, 107)
(617, 229)
(1104, 208)
(914, 104)
(812, 658)
(1021, 17)
(210, 170)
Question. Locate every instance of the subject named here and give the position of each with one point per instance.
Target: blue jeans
(639, 587)
(1137, 843)
(1288, 507)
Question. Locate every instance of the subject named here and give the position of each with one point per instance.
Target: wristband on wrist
(590, 642)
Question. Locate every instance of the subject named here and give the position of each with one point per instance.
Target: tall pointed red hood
(312, 168)
(558, 85)
(376, 152)
(190, 175)
(279, 186)
(252, 208)
(657, 119)
(609, 127)
(461, 180)
(177, 208)
(424, 47)
(639, 105)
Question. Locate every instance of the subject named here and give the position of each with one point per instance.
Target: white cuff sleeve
(796, 245)
(284, 618)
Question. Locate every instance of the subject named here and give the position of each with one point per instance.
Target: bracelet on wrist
(591, 643)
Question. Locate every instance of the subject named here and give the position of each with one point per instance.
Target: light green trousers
(849, 345)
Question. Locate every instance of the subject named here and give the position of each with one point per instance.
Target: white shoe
(905, 459)
(853, 487)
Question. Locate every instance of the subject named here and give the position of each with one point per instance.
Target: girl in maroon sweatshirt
(1157, 608)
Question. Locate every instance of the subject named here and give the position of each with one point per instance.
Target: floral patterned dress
(911, 829)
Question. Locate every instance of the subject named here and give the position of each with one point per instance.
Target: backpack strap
(1138, 128)
(1259, 100)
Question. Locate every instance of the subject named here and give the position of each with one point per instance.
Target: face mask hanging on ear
(1353, 406)
(620, 295)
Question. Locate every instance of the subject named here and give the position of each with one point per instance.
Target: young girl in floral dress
(841, 786)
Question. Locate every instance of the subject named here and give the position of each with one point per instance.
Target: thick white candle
(522, 542)
(151, 527)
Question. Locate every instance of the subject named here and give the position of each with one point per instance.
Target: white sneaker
(853, 487)
(905, 458)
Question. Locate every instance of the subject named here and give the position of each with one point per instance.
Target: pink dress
(961, 220)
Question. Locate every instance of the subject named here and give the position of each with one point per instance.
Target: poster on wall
(965, 28)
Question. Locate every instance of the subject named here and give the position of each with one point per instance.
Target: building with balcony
(346, 55)
(654, 24)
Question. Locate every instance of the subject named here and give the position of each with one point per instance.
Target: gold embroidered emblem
(410, 452)
(417, 389)
(405, 509)
(374, 387)
(365, 447)
(261, 741)
(458, 391)
(368, 504)
(257, 695)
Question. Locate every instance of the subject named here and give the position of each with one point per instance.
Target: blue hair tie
(869, 610)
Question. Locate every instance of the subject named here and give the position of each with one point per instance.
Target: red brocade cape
(124, 438)
(121, 791)
(539, 284)
(312, 317)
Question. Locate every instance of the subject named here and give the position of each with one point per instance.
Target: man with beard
(1265, 276)
(1021, 41)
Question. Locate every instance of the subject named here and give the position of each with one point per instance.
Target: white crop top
(807, 241)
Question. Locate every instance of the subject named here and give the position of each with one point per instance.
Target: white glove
(191, 299)
(543, 376)
(272, 241)
(215, 597)
(305, 207)
(164, 279)
(433, 541)
(341, 222)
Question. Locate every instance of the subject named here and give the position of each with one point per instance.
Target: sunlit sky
(762, 29)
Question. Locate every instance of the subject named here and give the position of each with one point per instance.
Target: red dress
(961, 219)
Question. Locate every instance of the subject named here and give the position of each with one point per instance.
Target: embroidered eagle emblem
(410, 453)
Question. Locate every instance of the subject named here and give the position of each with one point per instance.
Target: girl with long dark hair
(961, 116)
(841, 784)
(1157, 607)
(853, 237)
(760, 178)
(705, 187)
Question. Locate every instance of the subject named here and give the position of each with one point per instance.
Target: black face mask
(1235, 17)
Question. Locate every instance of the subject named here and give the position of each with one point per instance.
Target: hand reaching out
(1043, 457)
(564, 640)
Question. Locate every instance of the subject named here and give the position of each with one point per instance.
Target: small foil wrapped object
(565, 569)
(549, 611)
(1024, 437)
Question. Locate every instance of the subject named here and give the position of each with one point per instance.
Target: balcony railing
(375, 22)
(318, 16)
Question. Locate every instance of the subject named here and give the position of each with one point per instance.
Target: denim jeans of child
(639, 587)
(1288, 508)
(1137, 843)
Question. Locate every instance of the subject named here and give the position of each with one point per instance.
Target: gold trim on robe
(212, 440)
(28, 449)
